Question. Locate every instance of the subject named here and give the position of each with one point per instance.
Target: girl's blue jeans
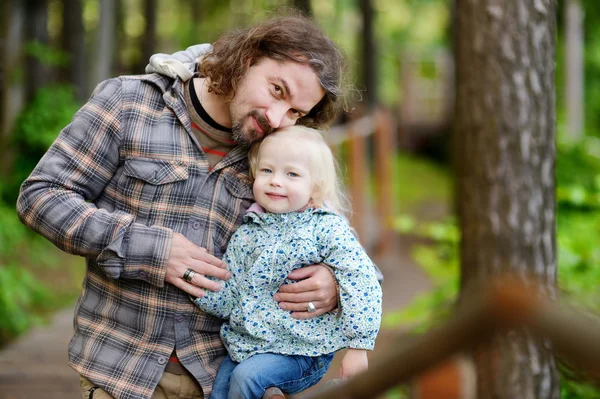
(250, 378)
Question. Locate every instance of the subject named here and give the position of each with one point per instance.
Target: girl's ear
(315, 199)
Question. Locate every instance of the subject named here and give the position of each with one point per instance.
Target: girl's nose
(275, 181)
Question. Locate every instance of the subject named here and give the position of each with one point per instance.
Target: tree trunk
(12, 91)
(105, 40)
(36, 73)
(303, 6)
(574, 68)
(73, 37)
(198, 11)
(369, 54)
(505, 132)
(149, 35)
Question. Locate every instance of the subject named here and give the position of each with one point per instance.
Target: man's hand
(187, 255)
(354, 362)
(317, 286)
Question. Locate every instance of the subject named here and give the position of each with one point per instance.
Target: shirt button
(143, 275)
(162, 360)
(179, 318)
(196, 225)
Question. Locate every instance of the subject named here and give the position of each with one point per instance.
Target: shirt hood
(181, 64)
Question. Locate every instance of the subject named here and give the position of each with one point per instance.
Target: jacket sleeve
(221, 303)
(360, 291)
(57, 198)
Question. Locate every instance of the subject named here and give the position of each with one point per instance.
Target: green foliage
(578, 175)
(35, 277)
(578, 199)
(440, 262)
(35, 129)
(418, 184)
(31, 284)
(46, 55)
(19, 291)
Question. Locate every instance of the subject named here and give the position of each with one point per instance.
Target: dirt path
(36, 366)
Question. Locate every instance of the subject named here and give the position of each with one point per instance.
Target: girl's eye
(265, 170)
(293, 174)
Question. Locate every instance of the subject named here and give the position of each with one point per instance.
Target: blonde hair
(323, 166)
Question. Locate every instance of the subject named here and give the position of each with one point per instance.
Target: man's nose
(277, 115)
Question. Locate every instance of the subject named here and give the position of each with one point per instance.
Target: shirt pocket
(156, 171)
(153, 189)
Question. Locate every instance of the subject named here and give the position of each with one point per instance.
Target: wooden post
(452, 379)
(384, 149)
(497, 307)
(357, 179)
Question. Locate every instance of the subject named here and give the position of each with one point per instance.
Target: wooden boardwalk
(36, 366)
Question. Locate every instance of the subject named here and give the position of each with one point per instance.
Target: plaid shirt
(119, 179)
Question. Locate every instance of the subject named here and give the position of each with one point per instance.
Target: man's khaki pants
(170, 386)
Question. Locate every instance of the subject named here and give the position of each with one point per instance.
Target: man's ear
(250, 61)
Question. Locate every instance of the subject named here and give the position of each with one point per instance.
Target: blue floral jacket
(260, 255)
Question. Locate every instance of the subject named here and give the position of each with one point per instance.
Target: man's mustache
(262, 122)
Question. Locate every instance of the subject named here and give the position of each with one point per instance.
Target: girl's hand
(354, 362)
(317, 286)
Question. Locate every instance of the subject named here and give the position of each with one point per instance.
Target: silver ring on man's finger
(310, 307)
(189, 275)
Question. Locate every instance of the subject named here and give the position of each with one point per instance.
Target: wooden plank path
(35, 366)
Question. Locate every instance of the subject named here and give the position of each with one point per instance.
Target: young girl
(292, 224)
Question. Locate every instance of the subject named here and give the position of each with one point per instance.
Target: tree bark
(149, 36)
(369, 54)
(105, 40)
(198, 10)
(574, 68)
(505, 132)
(304, 6)
(36, 73)
(12, 90)
(73, 37)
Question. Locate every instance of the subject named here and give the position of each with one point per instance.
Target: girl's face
(283, 182)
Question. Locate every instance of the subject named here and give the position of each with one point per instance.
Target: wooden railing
(380, 125)
(505, 304)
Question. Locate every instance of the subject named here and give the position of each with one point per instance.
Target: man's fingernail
(228, 276)
(276, 298)
(282, 306)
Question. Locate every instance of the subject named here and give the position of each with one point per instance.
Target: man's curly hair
(285, 38)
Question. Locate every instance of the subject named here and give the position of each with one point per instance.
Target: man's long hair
(285, 38)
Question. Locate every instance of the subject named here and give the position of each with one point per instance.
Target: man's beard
(250, 136)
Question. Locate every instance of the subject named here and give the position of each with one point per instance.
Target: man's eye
(277, 89)
(296, 113)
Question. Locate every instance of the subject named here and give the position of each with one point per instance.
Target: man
(150, 180)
